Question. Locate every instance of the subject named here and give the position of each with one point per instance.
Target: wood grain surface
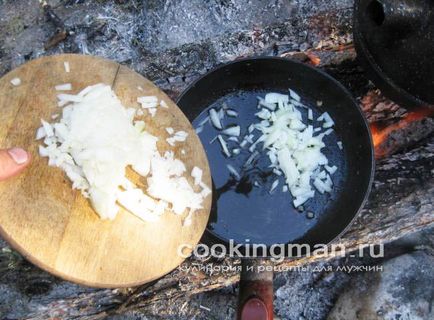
(54, 226)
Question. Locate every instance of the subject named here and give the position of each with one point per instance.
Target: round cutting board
(54, 226)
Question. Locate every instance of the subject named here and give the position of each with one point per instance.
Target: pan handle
(255, 301)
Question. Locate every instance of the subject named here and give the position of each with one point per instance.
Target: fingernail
(19, 155)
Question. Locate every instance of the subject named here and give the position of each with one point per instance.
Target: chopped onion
(140, 204)
(321, 175)
(263, 103)
(64, 97)
(339, 143)
(273, 157)
(259, 140)
(231, 113)
(16, 82)
(215, 119)
(180, 136)
(234, 139)
(276, 98)
(292, 148)
(294, 95)
(170, 130)
(277, 172)
(152, 111)
(139, 125)
(298, 201)
(224, 146)
(288, 166)
(43, 152)
(66, 66)
(204, 121)
(328, 131)
(232, 131)
(48, 129)
(171, 141)
(221, 113)
(328, 124)
(331, 170)
(88, 89)
(164, 104)
(213, 139)
(97, 138)
(188, 220)
(148, 102)
(243, 143)
(205, 190)
(233, 172)
(328, 121)
(63, 87)
(310, 114)
(40, 133)
(249, 138)
(196, 174)
(289, 143)
(274, 185)
(250, 159)
(236, 151)
(263, 114)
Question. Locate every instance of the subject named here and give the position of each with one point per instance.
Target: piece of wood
(54, 226)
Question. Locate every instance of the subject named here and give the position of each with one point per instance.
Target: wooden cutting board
(54, 226)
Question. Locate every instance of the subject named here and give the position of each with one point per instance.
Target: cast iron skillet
(249, 214)
(394, 40)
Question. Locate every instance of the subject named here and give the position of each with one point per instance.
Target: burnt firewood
(61, 32)
(402, 134)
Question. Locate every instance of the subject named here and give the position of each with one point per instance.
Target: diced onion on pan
(290, 144)
(232, 131)
(233, 172)
(215, 119)
(274, 185)
(224, 146)
(231, 113)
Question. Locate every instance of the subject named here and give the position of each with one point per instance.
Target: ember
(382, 133)
(314, 59)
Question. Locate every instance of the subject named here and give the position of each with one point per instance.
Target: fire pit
(172, 43)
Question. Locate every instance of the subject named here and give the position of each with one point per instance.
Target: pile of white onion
(94, 141)
(293, 145)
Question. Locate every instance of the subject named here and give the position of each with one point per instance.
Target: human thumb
(12, 162)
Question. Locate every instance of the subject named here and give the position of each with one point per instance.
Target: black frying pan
(394, 40)
(249, 214)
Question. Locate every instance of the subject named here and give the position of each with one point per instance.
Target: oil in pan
(244, 207)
